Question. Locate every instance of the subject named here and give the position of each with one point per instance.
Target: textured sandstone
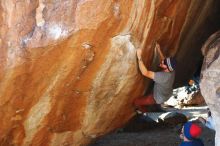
(210, 80)
(68, 70)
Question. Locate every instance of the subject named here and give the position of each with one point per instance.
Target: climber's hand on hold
(157, 47)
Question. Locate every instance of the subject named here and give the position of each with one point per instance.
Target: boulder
(182, 97)
(68, 68)
(210, 79)
(173, 118)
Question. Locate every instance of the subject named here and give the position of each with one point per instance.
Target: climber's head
(168, 64)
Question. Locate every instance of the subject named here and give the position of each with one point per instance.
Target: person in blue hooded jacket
(190, 133)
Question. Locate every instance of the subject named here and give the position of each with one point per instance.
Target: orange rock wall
(68, 69)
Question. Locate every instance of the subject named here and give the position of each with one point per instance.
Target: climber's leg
(141, 103)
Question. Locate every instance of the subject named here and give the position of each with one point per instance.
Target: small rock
(173, 118)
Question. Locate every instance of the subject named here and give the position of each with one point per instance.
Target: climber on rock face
(163, 82)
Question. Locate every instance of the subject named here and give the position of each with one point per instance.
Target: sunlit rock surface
(68, 70)
(210, 80)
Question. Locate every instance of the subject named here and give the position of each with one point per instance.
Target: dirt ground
(155, 137)
(151, 134)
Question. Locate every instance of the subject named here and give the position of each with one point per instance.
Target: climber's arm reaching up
(142, 67)
(159, 51)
